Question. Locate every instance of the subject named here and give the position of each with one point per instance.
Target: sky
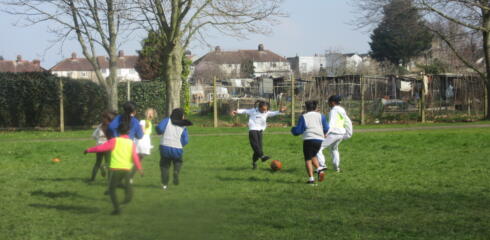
(313, 27)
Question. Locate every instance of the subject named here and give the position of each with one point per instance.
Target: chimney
(73, 55)
(217, 49)
(261, 47)
(121, 53)
(187, 53)
(19, 58)
(36, 62)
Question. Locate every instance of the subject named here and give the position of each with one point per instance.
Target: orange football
(276, 165)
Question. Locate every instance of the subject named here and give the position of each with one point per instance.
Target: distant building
(80, 68)
(240, 64)
(307, 64)
(19, 65)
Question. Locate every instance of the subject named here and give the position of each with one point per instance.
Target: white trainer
(164, 187)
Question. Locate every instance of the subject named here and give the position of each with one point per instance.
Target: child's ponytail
(129, 108)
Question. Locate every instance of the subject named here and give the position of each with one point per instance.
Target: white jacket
(339, 123)
(257, 120)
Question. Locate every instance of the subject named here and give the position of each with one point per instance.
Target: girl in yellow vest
(143, 145)
(123, 157)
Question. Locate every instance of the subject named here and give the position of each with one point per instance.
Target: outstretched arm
(106, 147)
(275, 113)
(242, 111)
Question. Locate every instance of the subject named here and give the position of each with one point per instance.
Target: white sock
(312, 179)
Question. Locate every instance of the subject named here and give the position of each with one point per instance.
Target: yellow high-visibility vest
(122, 155)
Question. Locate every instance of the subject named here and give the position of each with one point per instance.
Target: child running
(123, 156)
(313, 125)
(174, 138)
(257, 123)
(143, 145)
(340, 128)
(99, 135)
(135, 131)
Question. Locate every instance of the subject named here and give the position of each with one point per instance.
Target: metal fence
(368, 99)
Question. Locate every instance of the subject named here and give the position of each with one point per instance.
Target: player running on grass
(257, 123)
(340, 128)
(313, 125)
(123, 157)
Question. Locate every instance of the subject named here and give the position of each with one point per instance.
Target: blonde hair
(150, 114)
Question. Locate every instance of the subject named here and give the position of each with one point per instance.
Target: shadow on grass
(73, 209)
(61, 194)
(254, 179)
(69, 179)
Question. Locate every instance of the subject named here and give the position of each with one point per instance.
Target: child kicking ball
(257, 123)
(313, 125)
(340, 128)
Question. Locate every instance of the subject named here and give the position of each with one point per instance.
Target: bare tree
(472, 15)
(179, 22)
(96, 24)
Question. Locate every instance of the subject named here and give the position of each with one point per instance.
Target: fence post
(292, 100)
(363, 119)
(62, 110)
(485, 105)
(129, 91)
(425, 83)
(215, 104)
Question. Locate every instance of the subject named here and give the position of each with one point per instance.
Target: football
(276, 165)
(55, 160)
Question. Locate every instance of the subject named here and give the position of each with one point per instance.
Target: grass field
(431, 184)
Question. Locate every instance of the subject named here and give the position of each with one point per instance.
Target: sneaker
(164, 187)
(338, 170)
(310, 183)
(254, 165)
(265, 158)
(321, 175)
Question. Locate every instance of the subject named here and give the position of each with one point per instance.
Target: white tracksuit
(340, 128)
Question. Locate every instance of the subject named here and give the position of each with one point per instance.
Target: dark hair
(311, 105)
(108, 115)
(335, 99)
(124, 127)
(177, 118)
(129, 108)
(260, 103)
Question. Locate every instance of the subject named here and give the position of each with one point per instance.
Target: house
(80, 68)
(19, 65)
(260, 63)
(302, 65)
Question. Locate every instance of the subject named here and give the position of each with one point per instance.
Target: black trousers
(120, 179)
(165, 164)
(255, 138)
(105, 156)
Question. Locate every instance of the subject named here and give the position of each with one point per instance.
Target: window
(84, 74)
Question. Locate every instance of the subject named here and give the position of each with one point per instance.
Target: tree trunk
(172, 73)
(486, 51)
(112, 97)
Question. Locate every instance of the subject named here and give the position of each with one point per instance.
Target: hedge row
(145, 95)
(32, 100)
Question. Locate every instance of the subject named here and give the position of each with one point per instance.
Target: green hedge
(145, 95)
(32, 100)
